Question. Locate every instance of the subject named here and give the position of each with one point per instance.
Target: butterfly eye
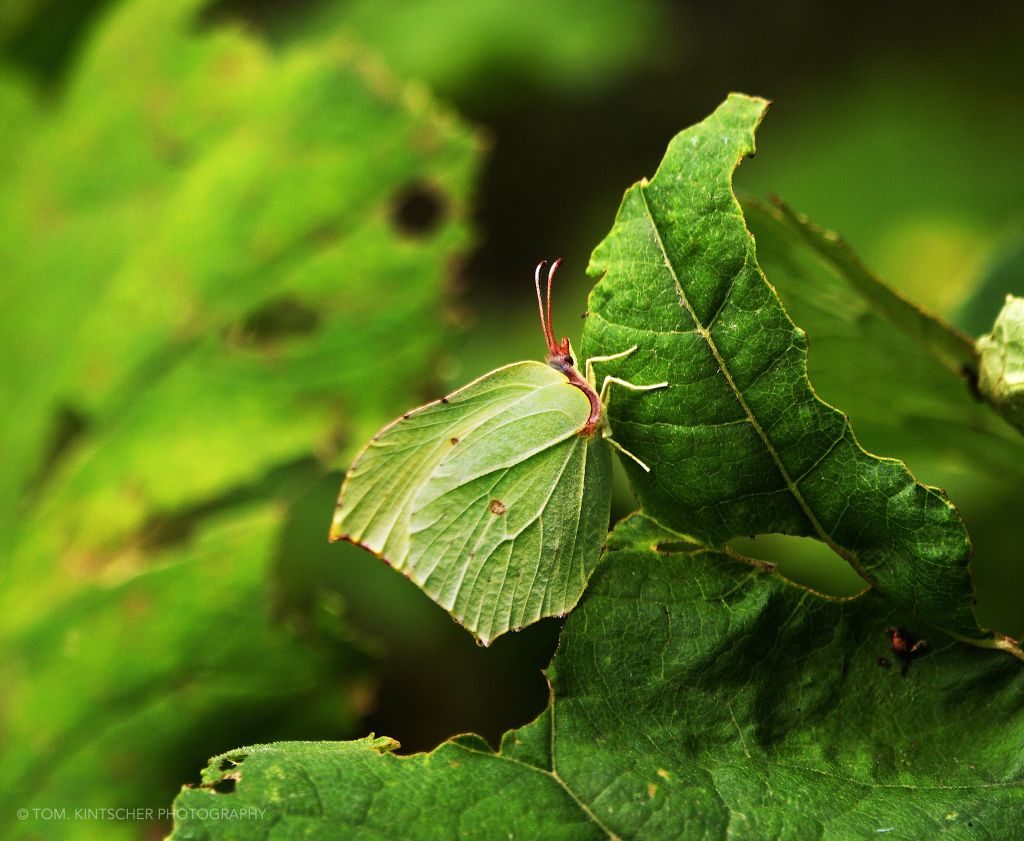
(568, 360)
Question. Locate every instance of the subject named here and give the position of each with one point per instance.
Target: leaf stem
(999, 642)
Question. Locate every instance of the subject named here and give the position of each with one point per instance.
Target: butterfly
(495, 500)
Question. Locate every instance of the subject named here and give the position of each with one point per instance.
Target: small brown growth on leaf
(497, 506)
(454, 441)
(904, 646)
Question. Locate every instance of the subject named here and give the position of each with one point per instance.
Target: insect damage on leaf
(495, 499)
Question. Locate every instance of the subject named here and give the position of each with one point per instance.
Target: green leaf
(102, 697)
(458, 791)
(950, 346)
(739, 443)
(489, 499)
(694, 695)
(490, 49)
(903, 400)
(212, 287)
(1001, 377)
(899, 395)
(1003, 275)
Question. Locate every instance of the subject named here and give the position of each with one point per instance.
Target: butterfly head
(560, 355)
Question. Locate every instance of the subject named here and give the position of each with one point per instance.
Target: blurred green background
(237, 237)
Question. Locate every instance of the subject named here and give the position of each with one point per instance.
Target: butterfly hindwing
(490, 499)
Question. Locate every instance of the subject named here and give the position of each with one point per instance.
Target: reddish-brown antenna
(544, 308)
(545, 321)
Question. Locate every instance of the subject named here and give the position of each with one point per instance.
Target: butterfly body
(495, 499)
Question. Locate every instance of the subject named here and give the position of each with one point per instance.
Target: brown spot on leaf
(497, 506)
(454, 441)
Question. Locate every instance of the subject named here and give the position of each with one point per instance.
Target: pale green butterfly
(495, 499)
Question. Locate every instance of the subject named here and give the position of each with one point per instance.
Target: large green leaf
(739, 443)
(694, 695)
(223, 264)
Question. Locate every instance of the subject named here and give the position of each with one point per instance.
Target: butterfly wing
(490, 500)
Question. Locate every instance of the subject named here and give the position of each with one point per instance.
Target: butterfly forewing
(490, 500)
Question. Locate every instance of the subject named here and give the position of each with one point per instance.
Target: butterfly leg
(625, 452)
(605, 391)
(610, 380)
(590, 362)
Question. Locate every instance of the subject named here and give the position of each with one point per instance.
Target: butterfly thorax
(561, 359)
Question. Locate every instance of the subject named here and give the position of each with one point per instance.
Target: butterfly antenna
(545, 323)
(551, 328)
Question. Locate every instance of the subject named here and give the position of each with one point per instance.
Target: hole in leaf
(225, 786)
(229, 762)
(419, 209)
(280, 318)
(804, 560)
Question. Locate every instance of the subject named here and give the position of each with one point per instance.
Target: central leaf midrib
(705, 333)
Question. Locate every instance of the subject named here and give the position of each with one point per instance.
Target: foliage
(489, 48)
(235, 245)
(738, 394)
(179, 371)
(697, 692)
(694, 695)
